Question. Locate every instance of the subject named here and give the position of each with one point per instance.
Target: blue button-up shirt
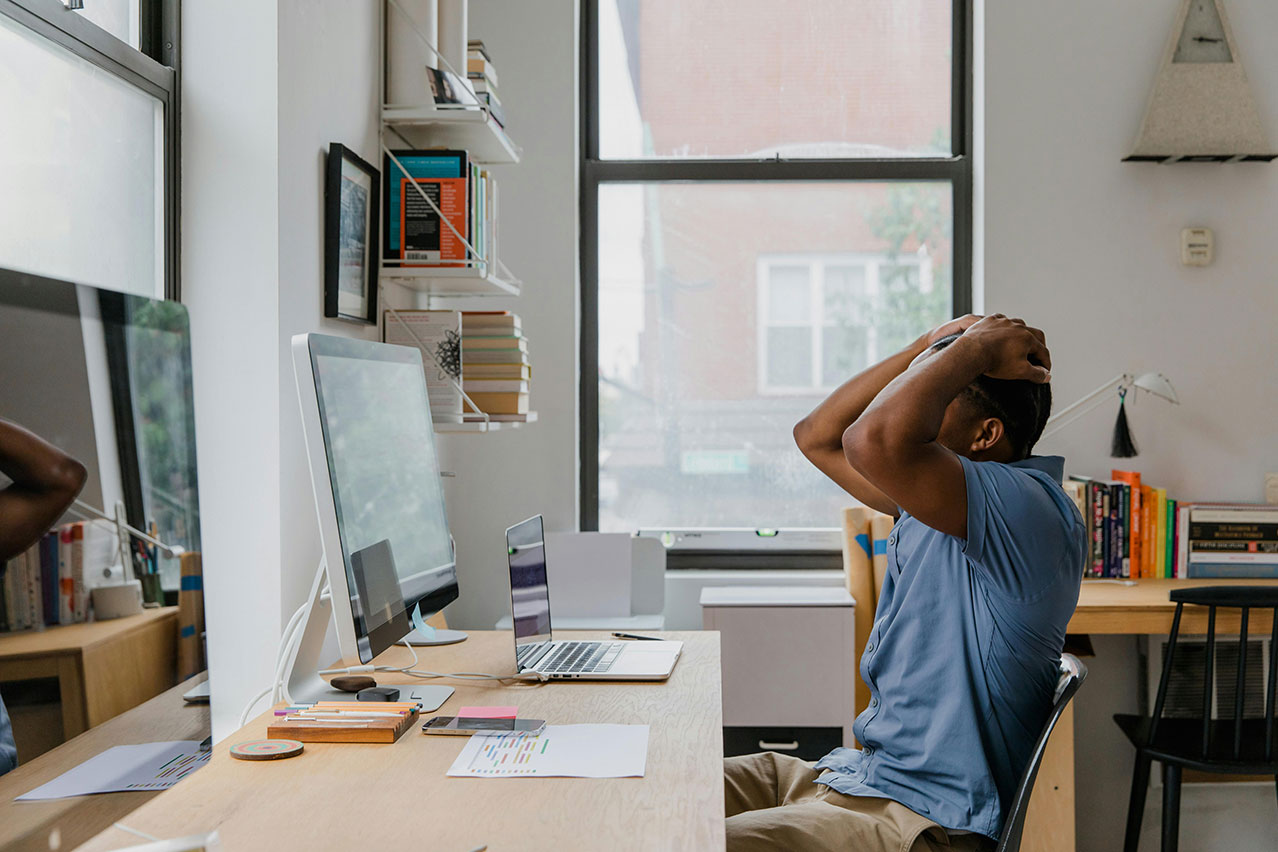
(963, 657)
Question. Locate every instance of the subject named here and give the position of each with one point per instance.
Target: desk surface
(26, 825)
(352, 796)
(1146, 608)
(73, 638)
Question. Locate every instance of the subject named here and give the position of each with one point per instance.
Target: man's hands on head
(1011, 349)
(820, 435)
(954, 326)
(894, 442)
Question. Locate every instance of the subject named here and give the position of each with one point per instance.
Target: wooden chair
(1232, 745)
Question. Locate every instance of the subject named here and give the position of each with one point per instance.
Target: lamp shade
(1158, 385)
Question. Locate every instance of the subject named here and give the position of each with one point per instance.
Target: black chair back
(1244, 598)
(1073, 673)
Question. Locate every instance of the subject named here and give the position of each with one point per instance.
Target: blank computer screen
(381, 458)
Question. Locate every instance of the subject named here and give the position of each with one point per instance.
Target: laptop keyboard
(581, 657)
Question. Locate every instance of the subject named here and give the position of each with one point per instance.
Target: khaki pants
(773, 802)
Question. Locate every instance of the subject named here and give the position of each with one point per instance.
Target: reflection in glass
(726, 312)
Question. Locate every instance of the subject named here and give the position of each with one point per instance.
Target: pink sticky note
(487, 712)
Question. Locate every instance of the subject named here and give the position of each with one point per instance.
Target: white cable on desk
(281, 661)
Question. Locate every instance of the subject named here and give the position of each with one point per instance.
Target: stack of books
(1230, 540)
(1132, 528)
(438, 335)
(495, 367)
(465, 193)
(483, 79)
(46, 585)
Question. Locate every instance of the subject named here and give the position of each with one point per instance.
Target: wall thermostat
(1197, 246)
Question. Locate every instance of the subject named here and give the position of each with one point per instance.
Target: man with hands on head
(984, 565)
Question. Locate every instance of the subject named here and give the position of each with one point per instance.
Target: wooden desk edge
(135, 623)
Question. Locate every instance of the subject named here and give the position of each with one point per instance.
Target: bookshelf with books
(478, 370)
(448, 124)
(48, 584)
(440, 132)
(1135, 531)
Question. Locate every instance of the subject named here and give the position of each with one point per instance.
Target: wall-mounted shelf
(451, 281)
(485, 426)
(470, 128)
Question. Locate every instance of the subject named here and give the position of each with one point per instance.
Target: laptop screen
(529, 592)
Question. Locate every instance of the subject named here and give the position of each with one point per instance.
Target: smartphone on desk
(461, 726)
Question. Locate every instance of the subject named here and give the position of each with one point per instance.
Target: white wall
(1087, 247)
(329, 52)
(230, 259)
(258, 118)
(504, 477)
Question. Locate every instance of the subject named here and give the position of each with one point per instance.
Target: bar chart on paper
(583, 751)
(145, 766)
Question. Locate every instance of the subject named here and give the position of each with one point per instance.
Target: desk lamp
(1123, 445)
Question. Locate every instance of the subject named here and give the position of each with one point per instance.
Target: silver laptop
(537, 651)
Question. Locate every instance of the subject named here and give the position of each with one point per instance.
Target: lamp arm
(84, 508)
(1068, 416)
(1121, 378)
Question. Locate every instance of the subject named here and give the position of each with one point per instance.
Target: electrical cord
(291, 632)
(412, 671)
(292, 635)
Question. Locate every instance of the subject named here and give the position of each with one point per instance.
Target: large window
(88, 156)
(774, 196)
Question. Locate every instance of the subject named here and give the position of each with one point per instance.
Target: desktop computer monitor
(371, 447)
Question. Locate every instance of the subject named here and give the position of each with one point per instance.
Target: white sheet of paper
(588, 573)
(578, 751)
(147, 766)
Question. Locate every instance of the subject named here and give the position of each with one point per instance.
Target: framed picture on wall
(351, 207)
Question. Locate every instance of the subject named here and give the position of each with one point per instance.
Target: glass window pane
(843, 294)
(845, 351)
(82, 188)
(760, 78)
(692, 371)
(789, 294)
(789, 357)
(118, 17)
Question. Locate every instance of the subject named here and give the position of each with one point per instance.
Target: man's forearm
(911, 408)
(34, 464)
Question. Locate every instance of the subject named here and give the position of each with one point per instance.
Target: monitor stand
(443, 636)
(302, 682)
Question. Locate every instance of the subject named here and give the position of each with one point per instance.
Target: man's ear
(989, 432)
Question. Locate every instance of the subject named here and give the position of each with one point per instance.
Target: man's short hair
(1022, 406)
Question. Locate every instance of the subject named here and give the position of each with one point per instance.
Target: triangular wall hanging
(1201, 109)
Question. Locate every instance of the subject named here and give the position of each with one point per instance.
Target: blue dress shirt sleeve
(1016, 518)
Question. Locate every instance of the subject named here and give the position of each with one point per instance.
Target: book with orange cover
(1149, 531)
(1135, 520)
(423, 235)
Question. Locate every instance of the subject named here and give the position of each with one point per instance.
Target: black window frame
(955, 170)
(154, 68)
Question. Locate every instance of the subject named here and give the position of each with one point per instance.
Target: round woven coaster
(266, 749)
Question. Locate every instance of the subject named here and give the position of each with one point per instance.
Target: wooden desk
(26, 825)
(1145, 608)
(352, 796)
(1106, 608)
(103, 667)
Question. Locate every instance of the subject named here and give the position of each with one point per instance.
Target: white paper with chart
(579, 751)
(146, 766)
